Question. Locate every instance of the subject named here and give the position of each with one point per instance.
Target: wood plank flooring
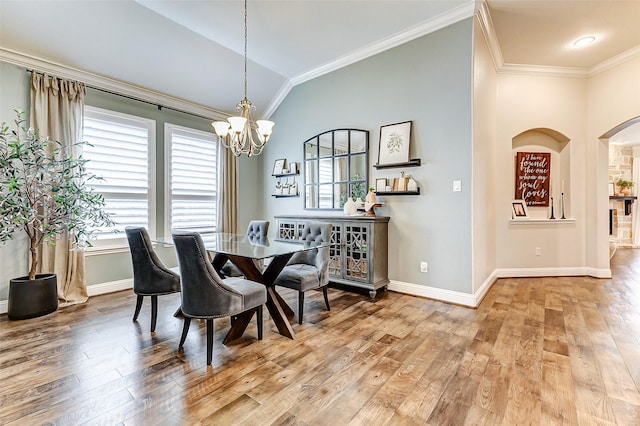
(542, 351)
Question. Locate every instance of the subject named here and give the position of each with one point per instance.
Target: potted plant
(625, 187)
(43, 193)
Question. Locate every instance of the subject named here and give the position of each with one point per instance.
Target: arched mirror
(336, 166)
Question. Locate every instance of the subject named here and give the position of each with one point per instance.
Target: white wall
(484, 161)
(614, 98)
(528, 102)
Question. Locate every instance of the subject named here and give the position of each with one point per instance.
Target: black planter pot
(32, 298)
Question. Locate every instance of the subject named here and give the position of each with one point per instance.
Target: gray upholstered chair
(256, 231)
(205, 295)
(150, 276)
(308, 269)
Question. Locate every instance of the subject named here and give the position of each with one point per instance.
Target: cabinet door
(355, 251)
(335, 251)
(287, 230)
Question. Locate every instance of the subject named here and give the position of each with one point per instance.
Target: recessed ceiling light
(584, 41)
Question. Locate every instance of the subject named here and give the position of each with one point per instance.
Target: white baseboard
(92, 290)
(552, 272)
(109, 287)
(441, 294)
(473, 300)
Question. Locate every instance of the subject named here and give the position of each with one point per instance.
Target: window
(193, 179)
(122, 153)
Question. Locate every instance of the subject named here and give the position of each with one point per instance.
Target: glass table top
(255, 248)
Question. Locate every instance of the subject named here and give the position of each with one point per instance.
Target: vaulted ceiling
(193, 50)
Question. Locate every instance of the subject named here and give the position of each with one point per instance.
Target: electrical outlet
(538, 251)
(424, 267)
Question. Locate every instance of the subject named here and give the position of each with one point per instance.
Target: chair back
(315, 232)
(150, 275)
(257, 229)
(204, 293)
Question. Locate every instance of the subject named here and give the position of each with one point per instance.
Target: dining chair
(205, 295)
(150, 276)
(308, 269)
(256, 232)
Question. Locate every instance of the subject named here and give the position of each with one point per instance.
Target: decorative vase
(359, 203)
(625, 191)
(371, 197)
(412, 185)
(349, 206)
(32, 298)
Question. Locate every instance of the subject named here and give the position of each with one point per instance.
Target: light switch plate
(457, 186)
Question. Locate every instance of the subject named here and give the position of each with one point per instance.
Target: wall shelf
(541, 221)
(279, 175)
(381, 193)
(628, 200)
(415, 162)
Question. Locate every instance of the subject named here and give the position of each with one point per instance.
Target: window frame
(121, 244)
(168, 127)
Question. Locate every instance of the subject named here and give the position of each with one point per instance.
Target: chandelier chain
(245, 49)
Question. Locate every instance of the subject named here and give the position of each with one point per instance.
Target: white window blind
(193, 179)
(121, 153)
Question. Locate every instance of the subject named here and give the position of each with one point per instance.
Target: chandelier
(236, 133)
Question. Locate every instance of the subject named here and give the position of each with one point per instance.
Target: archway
(623, 209)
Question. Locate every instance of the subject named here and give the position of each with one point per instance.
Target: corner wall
(428, 81)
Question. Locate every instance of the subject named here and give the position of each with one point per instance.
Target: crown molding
(486, 26)
(615, 61)
(110, 85)
(483, 17)
(277, 100)
(461, 12)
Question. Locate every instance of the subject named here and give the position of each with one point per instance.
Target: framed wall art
(519, 209)
(278, 166)
(394, 143)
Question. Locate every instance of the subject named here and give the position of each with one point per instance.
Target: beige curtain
(57, 111)
(228, 190)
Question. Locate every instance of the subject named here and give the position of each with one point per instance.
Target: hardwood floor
(539, 351)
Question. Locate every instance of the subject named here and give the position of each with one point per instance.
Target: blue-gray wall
(428, 81)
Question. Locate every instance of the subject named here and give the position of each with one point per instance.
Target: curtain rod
(133, 98)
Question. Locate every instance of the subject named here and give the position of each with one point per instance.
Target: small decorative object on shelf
(412, 185)
(278, 187)
(293, 189)
(562, 201)
(371, 196)
(551, 202)
(349, 207)
(625, 187)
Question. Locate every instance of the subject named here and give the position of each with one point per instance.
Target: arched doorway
(624, 165)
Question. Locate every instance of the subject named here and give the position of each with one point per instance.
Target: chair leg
(138, 307)
(154, 312)
(209, 340)
(259, 320)
(300, 306)
(326, 297)
(185, 330)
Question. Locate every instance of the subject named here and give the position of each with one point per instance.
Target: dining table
(249, 254)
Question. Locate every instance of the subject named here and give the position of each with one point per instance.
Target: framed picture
(519, 209)
(612, 189)
(381, 185)
(394, 143)
(293, 168)
(278, 166)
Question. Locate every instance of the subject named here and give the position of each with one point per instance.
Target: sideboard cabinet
(358, 253)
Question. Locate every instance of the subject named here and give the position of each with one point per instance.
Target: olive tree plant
(44, 191)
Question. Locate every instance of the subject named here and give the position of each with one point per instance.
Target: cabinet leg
(372, 294)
